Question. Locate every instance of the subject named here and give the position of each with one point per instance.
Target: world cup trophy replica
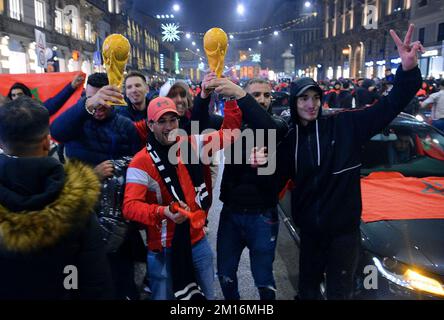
(215, 46)
(115, 52)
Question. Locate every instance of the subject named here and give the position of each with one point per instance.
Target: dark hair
(23, 87)
(23, 123)
(98, 80)
(134, 73)
(256, 80)
(345, 85)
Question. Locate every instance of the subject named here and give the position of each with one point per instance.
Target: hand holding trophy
(115, 52)
(215, 46)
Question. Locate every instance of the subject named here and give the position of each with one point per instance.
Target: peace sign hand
(407, 51)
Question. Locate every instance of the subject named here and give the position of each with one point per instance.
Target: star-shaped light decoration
(256, 57)
(170, 32)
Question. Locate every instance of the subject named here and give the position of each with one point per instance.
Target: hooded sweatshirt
(323, 159)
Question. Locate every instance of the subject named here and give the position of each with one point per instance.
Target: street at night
(253, 150)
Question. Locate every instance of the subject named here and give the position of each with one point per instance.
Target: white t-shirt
(437, 99)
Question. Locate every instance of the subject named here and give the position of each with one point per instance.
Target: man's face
(262, 93)
(308, 105)
(388, 72)
(360, 82)
(16, 93)
(136, 90)
(337, 86)
(101, 112)
(402, 144)
(163, 127)
(179, 96)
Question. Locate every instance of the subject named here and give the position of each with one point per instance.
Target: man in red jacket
(180, 260)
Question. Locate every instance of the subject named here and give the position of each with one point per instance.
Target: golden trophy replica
(215, 45)
(115, 52)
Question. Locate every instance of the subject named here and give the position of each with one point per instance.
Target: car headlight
(407, 277)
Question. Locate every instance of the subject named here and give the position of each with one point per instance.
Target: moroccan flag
(391, 196)
(43, 86)
(430, 148)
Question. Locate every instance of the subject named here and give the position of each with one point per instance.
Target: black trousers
(336, 256)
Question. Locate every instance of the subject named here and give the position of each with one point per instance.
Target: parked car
(402, 226)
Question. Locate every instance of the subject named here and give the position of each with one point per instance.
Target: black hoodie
(46, 224)
(324, 159)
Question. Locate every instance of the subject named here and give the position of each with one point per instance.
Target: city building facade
(428, 17)
(74, 32)
(355, 40)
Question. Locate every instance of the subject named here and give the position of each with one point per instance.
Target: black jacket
(130, 112)
(92, 141)
(241, 186)
(364, 97)
(46, 224)
(345, 99)
(324, 158)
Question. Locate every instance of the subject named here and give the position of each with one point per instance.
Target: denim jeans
(159, 271)
(258, 232)
(439, 124)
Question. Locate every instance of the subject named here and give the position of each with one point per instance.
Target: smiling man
(179, 254)
(322, 155)
(136, 90)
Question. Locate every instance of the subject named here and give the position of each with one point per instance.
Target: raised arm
(371, 120)
(55, 103)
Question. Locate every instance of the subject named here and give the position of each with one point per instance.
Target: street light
(193, 43)
(231, 36)
(275, 33)
(291, 45)
(240, 9)
(307, 4)
(249, 49)
(176, 7)
(188, 36)
(259, 42)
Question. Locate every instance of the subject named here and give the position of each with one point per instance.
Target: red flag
(427, 147)
(43, 86)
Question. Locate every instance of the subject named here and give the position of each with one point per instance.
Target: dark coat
(130, 112)
(46, 224)
(92, 141)
(241, 186)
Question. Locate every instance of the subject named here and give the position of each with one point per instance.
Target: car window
(413, 150)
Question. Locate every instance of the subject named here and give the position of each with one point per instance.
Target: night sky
(201, 15)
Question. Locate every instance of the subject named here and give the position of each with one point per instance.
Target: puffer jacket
(92, 141)
(47, 225)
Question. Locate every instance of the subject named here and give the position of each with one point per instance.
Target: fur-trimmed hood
(27, 231)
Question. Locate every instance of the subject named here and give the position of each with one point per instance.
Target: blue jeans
(258, 232)
(159, 271)
(439, 124)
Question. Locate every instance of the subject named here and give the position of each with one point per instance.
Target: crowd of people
(80, 208)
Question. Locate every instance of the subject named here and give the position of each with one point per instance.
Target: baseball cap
(298, 87)
(159, 106)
